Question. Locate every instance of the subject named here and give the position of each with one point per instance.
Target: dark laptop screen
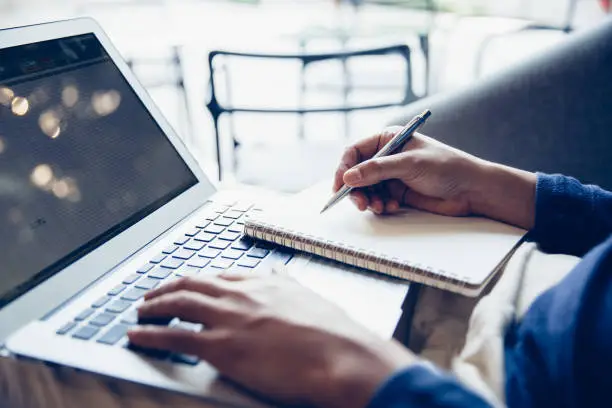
(81, 159)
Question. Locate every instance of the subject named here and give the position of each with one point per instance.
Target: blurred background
(269, 92)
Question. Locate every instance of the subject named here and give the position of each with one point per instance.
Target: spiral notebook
(458, 254)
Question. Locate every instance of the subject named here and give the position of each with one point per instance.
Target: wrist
(503, 193)
(356, 376)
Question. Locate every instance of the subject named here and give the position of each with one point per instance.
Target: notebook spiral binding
(358, 257)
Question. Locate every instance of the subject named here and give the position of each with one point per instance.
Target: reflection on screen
(80, 158)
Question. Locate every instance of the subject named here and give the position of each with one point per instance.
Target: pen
(396, 143)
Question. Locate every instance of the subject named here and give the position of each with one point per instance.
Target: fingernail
(353, 176)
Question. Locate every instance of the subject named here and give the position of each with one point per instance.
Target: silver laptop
(100, 201)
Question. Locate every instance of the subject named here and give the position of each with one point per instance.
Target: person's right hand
(434, 177)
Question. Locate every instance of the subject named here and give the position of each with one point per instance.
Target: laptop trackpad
(369, 298)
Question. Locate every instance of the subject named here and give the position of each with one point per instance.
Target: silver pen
(395, 144)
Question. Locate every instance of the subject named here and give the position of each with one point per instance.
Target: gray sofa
(551, 114)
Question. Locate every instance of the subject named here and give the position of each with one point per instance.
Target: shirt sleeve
(571, 218)
(420, 386)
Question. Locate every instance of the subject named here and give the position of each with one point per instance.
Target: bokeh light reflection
(20, 106)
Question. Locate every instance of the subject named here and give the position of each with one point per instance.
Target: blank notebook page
(467, 248)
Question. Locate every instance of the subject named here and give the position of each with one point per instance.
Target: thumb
(379, 169)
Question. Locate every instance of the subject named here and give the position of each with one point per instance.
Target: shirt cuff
(422, 385)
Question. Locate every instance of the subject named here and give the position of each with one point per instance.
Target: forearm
(504, 193)
(563, 215)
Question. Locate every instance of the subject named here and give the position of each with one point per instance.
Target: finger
(396, 190)
(210, 286)
(360, 199)
(172, 339)
(377, 204)
(362, 150)
(382, 168)
(434, 205)
(189, 306)
(392, 206)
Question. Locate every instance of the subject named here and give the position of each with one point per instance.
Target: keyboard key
(84, 314)
(152, 353)
(66, 328)
(240, 270)
(101, 302)
(284, 255)
(258, 253)
(133, 294)
(244, 244)
(169, 250)
(249, 262)
(185, 359)
(236, 228)
(242, 207)
(183, 325)
(131, 278)
(130, 317)
(226, 222)
(229, 236)
(220, 209)
(145, 268)
(188, 271)
(205, 237)
(155, 321)
(86, 332)
(158, 259)
(214, 229)
(117, 290)
(219, 244)
(172, 263)
(232, 254)
(192, 232)
(116, 333)
(159, 273)
(266, 245)
(221, 263)
(183, 254)
(233, 214)
(240, 222)
(198, 262)
(209, 253)
(212, 217)
(181, 240)
(102, 319)
(118, 306)
(203, 224)
(194, 245)
(147, 283)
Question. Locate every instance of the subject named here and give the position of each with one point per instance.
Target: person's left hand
(274, 336)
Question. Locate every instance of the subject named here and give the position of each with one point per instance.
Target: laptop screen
(81, 158)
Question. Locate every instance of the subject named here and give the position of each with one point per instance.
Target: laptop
(100, 201)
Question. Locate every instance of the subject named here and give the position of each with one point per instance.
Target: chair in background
(344, 35)
(218, 108)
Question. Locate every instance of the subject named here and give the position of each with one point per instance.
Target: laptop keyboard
(212, 245)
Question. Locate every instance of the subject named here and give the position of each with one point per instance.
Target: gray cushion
(551, 114)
